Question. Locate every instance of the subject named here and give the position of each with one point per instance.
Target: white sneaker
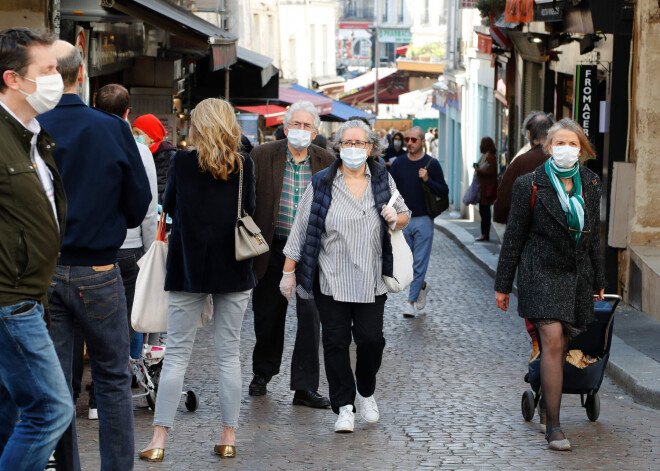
(368, 408)
(421, 297)
(346, 421)
(409, 310)
(93, 414)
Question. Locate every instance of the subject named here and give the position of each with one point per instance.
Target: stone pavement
(449, 394)
(635, 356)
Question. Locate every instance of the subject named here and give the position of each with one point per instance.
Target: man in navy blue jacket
(408, 172)
(107, 192)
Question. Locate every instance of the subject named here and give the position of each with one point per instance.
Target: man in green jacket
(32, 215)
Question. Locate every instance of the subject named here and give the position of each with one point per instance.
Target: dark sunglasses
(411, 139)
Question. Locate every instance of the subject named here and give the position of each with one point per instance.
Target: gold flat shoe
(225, 451)
(154, 455)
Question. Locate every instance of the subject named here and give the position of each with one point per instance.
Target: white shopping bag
(149, 313)
(403, 259)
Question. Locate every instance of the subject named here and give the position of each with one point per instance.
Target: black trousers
(128, 267)
(365, 322)
(269, 308)
(484, 212)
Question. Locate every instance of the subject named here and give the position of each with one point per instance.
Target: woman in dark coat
(486, 170)
(202, 196)
(395, 149)
(555, 246)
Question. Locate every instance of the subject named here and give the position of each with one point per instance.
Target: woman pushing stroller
(552, 238)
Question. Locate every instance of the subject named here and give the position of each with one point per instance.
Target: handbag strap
(160, 234)
(240, 187)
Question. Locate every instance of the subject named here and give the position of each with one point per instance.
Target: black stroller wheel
(192, 401)
(592, 405)
(527, 405)
(151, 399)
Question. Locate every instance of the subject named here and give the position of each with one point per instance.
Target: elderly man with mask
(283, 170)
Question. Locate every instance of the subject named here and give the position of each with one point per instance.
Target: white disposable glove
(288, 284)
(390, 215)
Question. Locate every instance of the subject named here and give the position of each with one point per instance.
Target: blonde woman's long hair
(216, 134)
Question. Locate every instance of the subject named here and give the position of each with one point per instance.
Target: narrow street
(449, 394)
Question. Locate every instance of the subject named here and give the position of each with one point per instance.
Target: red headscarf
(153, 128)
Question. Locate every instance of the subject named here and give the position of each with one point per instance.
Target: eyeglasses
(299, 125)
(411, 139)
(360, 144)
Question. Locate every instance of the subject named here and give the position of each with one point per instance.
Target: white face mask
(48, 92)
(565, 156)
(397, 143)
(299, 138)
(353, 157)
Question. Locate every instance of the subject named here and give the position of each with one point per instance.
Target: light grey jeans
(183, 315)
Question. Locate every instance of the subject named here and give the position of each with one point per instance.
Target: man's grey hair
(531, 118)
(538, 128)
(305, 106)
(68, 67)
(420, 132)
(372, 137)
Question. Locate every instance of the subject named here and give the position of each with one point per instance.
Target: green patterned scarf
(572, 204)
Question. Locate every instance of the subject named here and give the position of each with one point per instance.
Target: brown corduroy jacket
(269, 165)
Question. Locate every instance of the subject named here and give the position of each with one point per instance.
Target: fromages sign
(586, 99)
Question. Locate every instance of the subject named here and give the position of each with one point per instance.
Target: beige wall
(645, 150)
(26, 13)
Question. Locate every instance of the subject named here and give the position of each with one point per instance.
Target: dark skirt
(570, 330)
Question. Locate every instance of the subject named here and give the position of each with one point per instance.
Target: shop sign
(390, 35)
(549, 10)
(586, 99)
(519, 11)
(223, 55)
(485, 43)
(468, 4)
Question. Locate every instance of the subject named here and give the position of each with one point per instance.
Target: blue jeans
(95, 299)
(419, 235)
(32, 384)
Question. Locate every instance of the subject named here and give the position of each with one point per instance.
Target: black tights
(554, 345)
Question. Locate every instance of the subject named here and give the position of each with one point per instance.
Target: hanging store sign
(586, 99)
(223, 56)
(468, 4)
(519, 11)
(549, 10)
(485, 43)
(390, 35)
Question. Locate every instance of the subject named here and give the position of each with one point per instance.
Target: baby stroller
(595, 343)
(147, 370)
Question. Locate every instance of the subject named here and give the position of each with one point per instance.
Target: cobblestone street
(449, 395)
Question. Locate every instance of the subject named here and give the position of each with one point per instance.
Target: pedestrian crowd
(79, 194)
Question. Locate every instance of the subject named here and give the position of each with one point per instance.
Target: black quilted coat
(556, 278)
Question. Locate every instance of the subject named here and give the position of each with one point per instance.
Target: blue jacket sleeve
(136, 192)
(169, 195)
(436, 181)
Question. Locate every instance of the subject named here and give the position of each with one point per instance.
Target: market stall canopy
(323, 104)
(177, 21)
(367, 79)
(390, 87)
(402, 50)
(274, 114)
(340, 111)
(268, 70)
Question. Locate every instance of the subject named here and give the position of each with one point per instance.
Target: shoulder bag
(249, 241)
(402, 266)
(433, 203)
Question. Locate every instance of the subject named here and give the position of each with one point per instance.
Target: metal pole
(377, 58)
(227, 84)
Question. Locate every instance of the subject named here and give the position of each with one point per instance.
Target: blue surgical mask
(353, 157)
(299, 138)
(140, 139)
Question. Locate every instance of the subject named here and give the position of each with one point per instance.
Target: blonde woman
(202, 197)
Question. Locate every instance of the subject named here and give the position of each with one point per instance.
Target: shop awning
(274, 114)
(323, 104)
(367, 79)
(340, 111)
(268, 70)
(175, 20)
(389, 88)
(403, 50)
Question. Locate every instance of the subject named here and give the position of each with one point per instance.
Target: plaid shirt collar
(292, 161)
